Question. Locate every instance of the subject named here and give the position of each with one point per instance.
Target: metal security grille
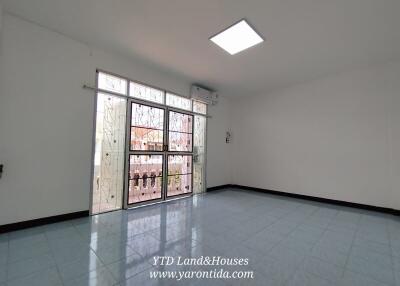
(160, 153)
(149, 144)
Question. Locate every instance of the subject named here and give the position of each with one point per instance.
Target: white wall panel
(46, 118)
(335, 138)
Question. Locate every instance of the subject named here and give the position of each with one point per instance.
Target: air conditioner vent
(203, 94)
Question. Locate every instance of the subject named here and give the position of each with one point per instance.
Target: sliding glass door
(180, 153)
(159, 153)
(149, 145)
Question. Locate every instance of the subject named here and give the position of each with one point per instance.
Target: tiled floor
(287, 241)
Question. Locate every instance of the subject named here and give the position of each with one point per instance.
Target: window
(147, 127)
(153, 179)
(178, 101)
(179, 174)
(108, 168)
(180, 132)
(136, 179)
(112, 83)
(145, 180)
(145, 92)
(156, 134)
(199, 107)
(199, 152)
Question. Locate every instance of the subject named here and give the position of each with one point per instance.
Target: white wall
(336, 138)
(1, 19)
(46, 118)
(1, 13)
(1, 32)
(218, 151)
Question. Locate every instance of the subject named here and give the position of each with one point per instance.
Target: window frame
(164, 91)
(126, 95)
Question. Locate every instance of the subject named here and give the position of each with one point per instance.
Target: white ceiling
(305, 39)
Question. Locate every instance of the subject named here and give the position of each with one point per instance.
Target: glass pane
(199, 154)
(179, 175)
(145, 178)
(178, 101)
(179, 164)
(146, 93)
(109, 153)
(180, 142)
(147, 128)
(199, 107)
(180, 132)
(179, 185)
(112, 83)
(180, 122)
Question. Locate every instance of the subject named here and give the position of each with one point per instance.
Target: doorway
(159, 153)
(149, 145)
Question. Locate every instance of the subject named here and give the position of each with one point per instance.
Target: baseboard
(58, 218)
(42, 221)
(320, 200)
(220, 187)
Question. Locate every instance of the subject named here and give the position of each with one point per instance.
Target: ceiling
(305, 39)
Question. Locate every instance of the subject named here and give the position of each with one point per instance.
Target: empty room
(214, 142)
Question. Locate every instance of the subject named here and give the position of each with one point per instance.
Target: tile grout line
(55, 261)
(351, 247)
(305, 257)
(287, 235)
(349, 251)
(391, 253)
(325, 230)
(7, 259)
(26, 275)
(357, 231)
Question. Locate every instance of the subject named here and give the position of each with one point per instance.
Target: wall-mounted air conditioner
(204, 95)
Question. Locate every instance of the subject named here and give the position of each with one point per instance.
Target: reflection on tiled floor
(287, 241)
(153, 196)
